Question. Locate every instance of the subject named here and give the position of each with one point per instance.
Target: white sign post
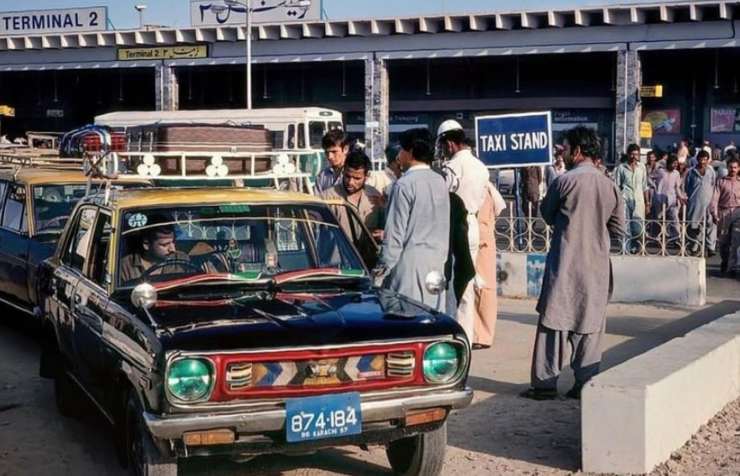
(218, 12)
(69, 20)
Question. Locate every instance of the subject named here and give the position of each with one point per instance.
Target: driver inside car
(156, 248)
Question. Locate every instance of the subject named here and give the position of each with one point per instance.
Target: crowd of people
(439, 216)
(428, 216)
(695, 186)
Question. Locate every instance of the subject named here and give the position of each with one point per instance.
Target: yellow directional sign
(7, 111)
(652, 91)
(164, 52)
(646, 130)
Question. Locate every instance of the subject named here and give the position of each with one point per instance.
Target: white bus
(292, 128)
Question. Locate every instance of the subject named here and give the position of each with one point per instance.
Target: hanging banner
(724, 119)
(69, 20)
(514, 140)
(164, 52)
(664, 121)
(218, 12)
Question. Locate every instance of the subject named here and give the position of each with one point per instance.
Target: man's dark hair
(585, 139)
(672, 158)
(357, 159)
(633, 147)
(150, 234)
(334, 137)
(653, 153)
(733, 160)
(391, 153)
(419, 143)
(456, 136)
(702, 154)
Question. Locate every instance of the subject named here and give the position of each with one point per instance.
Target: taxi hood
(294, 319)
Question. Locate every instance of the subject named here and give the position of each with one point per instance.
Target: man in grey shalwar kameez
(417, 227)
(583, 206)
(699, 186)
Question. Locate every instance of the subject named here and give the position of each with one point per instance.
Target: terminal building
(586, 65)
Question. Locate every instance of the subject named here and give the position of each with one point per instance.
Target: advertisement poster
(724, 119)
(664, 121)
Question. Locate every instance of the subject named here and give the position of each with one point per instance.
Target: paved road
(499, 433)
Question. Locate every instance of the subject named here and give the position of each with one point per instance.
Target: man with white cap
(467, 177)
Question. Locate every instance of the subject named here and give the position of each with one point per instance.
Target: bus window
(301, 136)
(291, 136)
(278, 139)
(316, 132)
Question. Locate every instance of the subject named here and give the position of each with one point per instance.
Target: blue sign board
(514, 140)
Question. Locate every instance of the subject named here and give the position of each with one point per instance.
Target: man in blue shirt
(336, 146)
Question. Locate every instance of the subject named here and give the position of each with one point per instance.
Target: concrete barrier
(667, 279)
(635, 415)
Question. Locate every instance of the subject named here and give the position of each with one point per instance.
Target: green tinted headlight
(441, 362)
(190, 379)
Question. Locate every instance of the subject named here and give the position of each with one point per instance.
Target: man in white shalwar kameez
(466, 177)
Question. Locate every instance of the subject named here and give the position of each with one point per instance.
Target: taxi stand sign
(7, 111)
(514, 140)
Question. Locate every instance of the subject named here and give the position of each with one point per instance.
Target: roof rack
(274, 168)
(20, 160)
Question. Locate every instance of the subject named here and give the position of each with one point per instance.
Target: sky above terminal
(176, 12)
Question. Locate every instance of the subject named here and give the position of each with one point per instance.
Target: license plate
(325, 416)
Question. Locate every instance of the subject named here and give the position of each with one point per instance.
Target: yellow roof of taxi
(206, 196)
(40, 176)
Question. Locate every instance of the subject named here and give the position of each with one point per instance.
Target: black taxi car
(35, 201)
(242, 322)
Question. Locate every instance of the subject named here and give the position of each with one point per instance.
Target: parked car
(256, 329)
(34, 206)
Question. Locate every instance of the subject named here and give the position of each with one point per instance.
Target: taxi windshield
(52, 205)
(248, 242)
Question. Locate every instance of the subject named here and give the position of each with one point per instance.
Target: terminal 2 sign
(514, 140)
(70, 20)
(163, 53)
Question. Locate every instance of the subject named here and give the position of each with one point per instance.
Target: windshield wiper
(212, 280)
(319, 274)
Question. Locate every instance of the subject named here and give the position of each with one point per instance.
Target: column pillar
(166, 87)
(628, 106)
(377, 101)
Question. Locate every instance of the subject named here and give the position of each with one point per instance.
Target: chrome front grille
(239, 375)
(400, 364)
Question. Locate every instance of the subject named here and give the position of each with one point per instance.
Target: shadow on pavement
(336, 460)
(645, 341)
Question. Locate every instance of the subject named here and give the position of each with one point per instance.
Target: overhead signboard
(514, 140)
(218, 12)
(646, 130)
(651, 91)
(7, 111)
(162, 53)
(68, 20)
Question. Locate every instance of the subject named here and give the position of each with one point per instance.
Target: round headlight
(441, 362)
(189, 379)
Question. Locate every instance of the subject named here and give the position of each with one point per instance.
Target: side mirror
(144, 296)
(435, 282)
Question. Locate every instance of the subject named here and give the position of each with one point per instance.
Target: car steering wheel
(56, 222)
(170, 262)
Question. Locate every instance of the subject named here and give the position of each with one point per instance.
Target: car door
(14, 246)
(68, 274)
(89, 301)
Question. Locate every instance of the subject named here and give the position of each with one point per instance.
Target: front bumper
(172, 427)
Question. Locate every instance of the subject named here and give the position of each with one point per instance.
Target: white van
(292, 128)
